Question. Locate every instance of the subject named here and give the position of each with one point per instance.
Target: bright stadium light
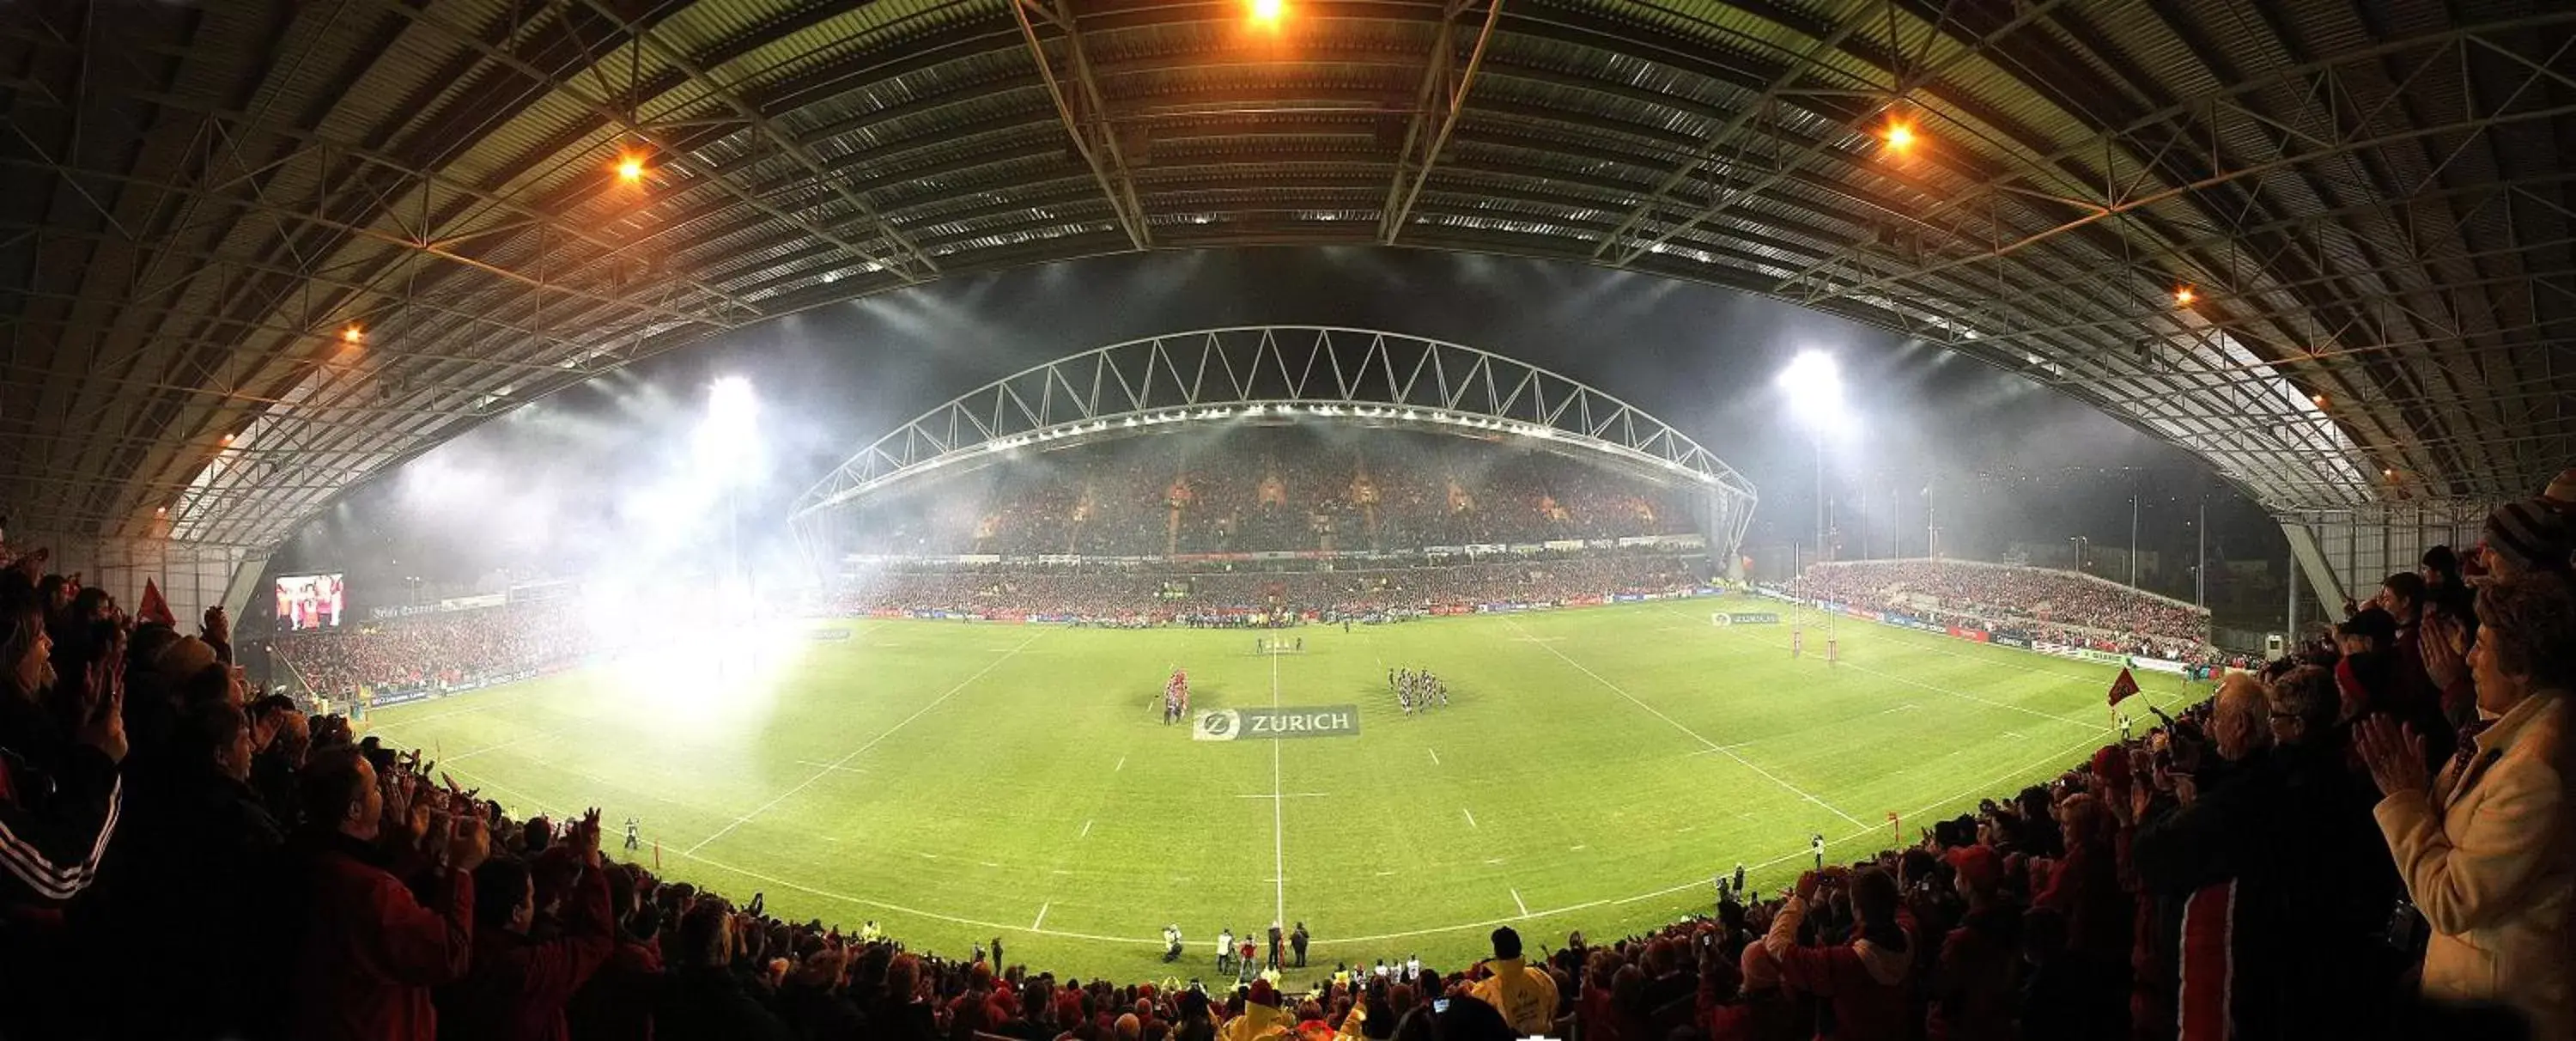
(1814, 385)
(1266, 13)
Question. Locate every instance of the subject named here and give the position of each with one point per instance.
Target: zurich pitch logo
(1218, 725)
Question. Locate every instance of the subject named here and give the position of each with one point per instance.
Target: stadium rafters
(1284, 374)
(2372, 205)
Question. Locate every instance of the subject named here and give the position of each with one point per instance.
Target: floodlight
(353, 334)
(1266, 13)
(1815, 389)
(1900, 135)
(2183, 296)
(630, 169)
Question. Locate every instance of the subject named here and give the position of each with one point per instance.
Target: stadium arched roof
(2371, 205)
(1280, 374)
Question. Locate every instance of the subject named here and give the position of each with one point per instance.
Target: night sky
(2010, 461)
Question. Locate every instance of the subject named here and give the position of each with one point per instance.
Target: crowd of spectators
(1275, 489)
(1160, 593)
(447, 650)
(2369, 839)
(2054, 606)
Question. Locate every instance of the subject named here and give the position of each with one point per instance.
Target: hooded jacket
(1864, 981)
(1257, 1023)
(518, 987)
(1526, 996)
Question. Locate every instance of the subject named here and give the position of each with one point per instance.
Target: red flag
(2124, 686)
(154, 608)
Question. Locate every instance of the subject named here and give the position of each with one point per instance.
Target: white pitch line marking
(1086, 830)
(1435, 755)
(1695, 735)
(2013, 735)
(1041, 922)
(1496, 860)
(1122, 764)
(832, 766)
(1283, 795)
(988, 864)
(502, 745)
(1697, 882)
(1577, 849)
(1278, 815)
(1471, 817)
(1516, 902)
(872, 743)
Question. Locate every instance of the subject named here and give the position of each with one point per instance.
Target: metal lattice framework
(1288, 374)
(2373, 203)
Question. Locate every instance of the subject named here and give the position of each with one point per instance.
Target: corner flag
(2124, 686)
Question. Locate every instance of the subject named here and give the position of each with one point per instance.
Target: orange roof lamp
(2183, 296)
(630, 168)
(1900, 136)
(353, 335)
(1266, 13)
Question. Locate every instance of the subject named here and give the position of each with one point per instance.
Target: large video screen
(309, 602)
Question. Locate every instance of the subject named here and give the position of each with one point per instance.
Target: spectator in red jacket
(617, 1003)
(1972, 990)
(1864, 980)
(371, 949)
(518, 986)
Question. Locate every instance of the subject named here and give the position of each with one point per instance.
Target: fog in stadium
(1252, 520)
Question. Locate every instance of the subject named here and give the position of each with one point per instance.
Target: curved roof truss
(2374, 204)
(1284, 374)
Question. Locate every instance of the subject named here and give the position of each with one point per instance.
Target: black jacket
(709, 1004)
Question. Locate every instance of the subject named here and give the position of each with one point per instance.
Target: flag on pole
(154, 609)
(2124, 686)
(1895, 829)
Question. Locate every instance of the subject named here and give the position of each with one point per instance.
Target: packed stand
(437, 651)
(2057, 606)
(2370, 839)
(1159, 594)
(1266, 490)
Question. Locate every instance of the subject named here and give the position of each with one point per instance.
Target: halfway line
(872, 743)
(1278, 813)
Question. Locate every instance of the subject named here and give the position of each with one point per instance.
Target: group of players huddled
(1417, 689)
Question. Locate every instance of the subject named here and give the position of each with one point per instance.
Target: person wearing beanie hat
(1526, 996)
(2561, 493)
(1759, 1009)
(1261, 1019)
(1971, 989)
(2530, 535)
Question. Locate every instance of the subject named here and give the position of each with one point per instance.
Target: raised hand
(471, 845)
(2393, 754)
(103, 728)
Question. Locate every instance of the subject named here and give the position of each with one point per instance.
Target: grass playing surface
(958, 781)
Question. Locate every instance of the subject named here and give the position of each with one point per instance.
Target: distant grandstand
(1328, 448)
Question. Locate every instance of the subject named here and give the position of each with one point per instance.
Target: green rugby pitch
(958, 781)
